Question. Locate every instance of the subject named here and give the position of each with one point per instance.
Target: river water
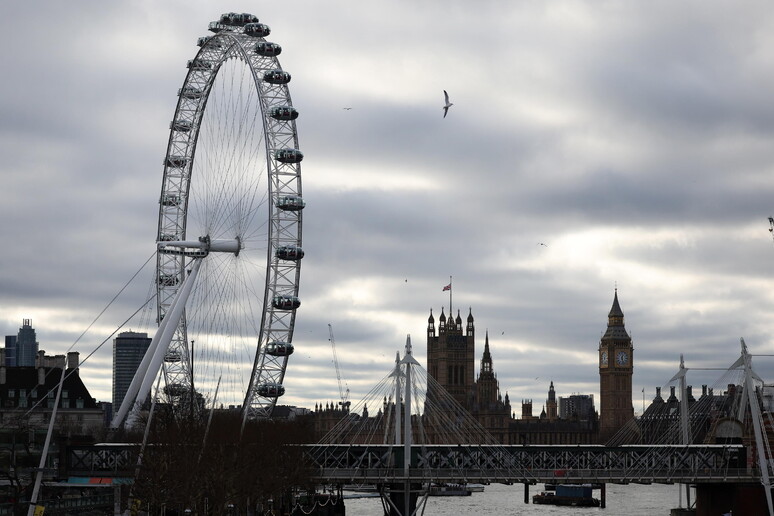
(501, 500)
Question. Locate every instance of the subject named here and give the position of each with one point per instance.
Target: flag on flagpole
(447, 287)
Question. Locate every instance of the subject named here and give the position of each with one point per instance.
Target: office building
(128, 349)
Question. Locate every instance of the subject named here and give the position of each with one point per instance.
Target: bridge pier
(395, 498)
(720, 499)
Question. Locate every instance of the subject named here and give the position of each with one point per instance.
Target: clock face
(622, 358)
(603, 358)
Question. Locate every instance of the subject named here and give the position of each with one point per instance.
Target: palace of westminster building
(574, 420)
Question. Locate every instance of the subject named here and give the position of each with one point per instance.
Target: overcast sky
(634, 139)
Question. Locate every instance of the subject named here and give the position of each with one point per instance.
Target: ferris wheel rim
(284, 224)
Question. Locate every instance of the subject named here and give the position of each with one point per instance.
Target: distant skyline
(591, 145)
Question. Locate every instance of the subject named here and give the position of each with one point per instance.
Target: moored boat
(449, 490)
(568, 495)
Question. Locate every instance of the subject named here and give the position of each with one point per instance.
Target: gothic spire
(486, 359)
(615, 321)
(615, 310)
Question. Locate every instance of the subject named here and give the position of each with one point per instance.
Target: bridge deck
(533, 464)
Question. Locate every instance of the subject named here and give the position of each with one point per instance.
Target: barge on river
(569, 495)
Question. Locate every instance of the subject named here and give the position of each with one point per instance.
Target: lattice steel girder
(671, 463)
(101, 460)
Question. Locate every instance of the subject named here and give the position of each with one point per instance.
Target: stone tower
(451, 356)
(488, 388)
(551, 406)
(616, 366)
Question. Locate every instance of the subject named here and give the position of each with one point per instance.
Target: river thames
(500, 500)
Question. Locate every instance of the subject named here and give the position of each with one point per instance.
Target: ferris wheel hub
(201, 247)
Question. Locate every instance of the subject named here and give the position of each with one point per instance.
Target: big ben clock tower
(616, 366)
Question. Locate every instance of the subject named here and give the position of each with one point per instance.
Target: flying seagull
(447, 103)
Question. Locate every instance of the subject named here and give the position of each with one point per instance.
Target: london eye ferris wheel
(230, 214)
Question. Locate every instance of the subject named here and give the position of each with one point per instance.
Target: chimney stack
(73, 359)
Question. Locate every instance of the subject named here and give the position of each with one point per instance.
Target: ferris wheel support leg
(173, 317)
(134, 387)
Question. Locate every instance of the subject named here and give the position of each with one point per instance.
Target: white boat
(449, 490)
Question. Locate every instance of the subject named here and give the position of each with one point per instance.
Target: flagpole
(450, 297)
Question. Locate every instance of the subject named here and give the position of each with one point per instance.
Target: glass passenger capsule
(267, 49)
(279, 349)
(283, 113)
(289, 252)
(258, 30)
(276, 77)
(168, 280)
(290, 203)
(176, 161)
(288, 155)
(271, 390)
(170, 200)
(226, 18)
(237, 19)
(180, 125)
(216, 27)
(199, 64)
(189, 92)
(167, 237)
(172, 356)
(281, 302)
(204, 40)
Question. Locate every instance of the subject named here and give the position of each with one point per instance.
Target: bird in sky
(447, 104)
(346, 108)
(541, 243)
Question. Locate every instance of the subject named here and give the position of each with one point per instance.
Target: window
(22, 402)
(11, 393)
(64, 394)
(79, 403)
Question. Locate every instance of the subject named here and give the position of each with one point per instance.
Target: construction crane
(343, 389)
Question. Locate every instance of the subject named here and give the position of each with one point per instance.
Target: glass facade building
(128, 349)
